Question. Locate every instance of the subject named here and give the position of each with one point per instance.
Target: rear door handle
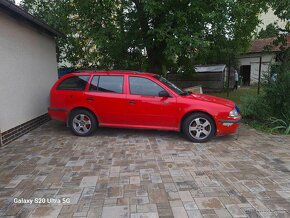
(90, 99)
(132, 102)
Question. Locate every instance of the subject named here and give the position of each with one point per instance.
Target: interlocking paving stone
(72, 193)
(235, 210)
(88, 181)
(144, 215)
(46, 211)
(209, 203)
(16, 180)
(194, 214)
(191, 205)
(116, 211)
(134, 180)
(223, 213)
(141, 173)
(179, 212)
(185, 196)
(75, 163)
(158, 196)
(146, 208)
(115, 192)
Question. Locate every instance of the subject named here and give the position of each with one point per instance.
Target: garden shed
(210, 77)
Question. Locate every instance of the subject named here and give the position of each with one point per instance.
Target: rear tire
(82, 123)
(199, 127)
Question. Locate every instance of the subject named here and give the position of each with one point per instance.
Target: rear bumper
(227, 126)
(57, 114)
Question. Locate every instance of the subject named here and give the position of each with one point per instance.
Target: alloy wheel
(199, 128)
(82, 123)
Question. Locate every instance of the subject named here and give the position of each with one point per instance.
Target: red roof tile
(259, 45)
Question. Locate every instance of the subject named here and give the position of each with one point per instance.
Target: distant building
(249, 62)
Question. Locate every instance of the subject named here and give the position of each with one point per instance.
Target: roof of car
(125, 72)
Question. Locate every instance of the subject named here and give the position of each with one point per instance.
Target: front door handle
(90, 99)
(132, 102)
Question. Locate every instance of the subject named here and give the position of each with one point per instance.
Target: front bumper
(228, 126)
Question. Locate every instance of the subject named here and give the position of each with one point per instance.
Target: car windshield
(171, 85)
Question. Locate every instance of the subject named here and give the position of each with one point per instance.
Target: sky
(17, 2)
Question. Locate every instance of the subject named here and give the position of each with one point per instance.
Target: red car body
(136, 111)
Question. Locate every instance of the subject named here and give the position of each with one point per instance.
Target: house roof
(20, 14)
(259, 45)
(210, 68)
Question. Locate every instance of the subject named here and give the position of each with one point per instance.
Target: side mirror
(163, 94)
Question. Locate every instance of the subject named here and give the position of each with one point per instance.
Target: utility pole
(259, 80)
(229, 73)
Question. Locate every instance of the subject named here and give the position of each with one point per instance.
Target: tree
(153, 35)
(271, 30)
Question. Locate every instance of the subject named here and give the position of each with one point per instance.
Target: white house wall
(254, 60)
(28, 69)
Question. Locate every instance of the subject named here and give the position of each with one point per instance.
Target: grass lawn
(236, 95)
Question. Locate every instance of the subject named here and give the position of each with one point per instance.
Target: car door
(146, 108)
(106, 95)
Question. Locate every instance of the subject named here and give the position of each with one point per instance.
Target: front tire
(199, 127)
(82, 123)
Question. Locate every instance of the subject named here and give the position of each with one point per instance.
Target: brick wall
(14, 133)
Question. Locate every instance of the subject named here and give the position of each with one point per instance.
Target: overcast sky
(17, 2)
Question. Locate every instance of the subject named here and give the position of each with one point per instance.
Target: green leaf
(287, 131)
(277, 128)
(175, 34)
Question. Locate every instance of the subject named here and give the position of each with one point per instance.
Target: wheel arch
(81, 108)
(194, 112)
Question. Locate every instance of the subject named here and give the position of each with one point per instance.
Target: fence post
(229, 73)
(259, 80)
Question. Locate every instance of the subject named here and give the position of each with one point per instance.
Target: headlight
(234, 113)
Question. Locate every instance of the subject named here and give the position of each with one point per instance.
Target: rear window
(74, 83)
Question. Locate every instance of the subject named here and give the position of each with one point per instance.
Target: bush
(277, 93)
(254, 107)
(281, 125)
(272, 106)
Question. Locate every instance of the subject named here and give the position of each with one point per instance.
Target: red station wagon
(88, 99)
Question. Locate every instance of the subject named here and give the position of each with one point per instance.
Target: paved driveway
(137, 173)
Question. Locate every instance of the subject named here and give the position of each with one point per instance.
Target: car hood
(209, 98)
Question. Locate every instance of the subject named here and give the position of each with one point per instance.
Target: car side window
(144, 86)
(113, 84)
(94, 83)
(74, 83)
